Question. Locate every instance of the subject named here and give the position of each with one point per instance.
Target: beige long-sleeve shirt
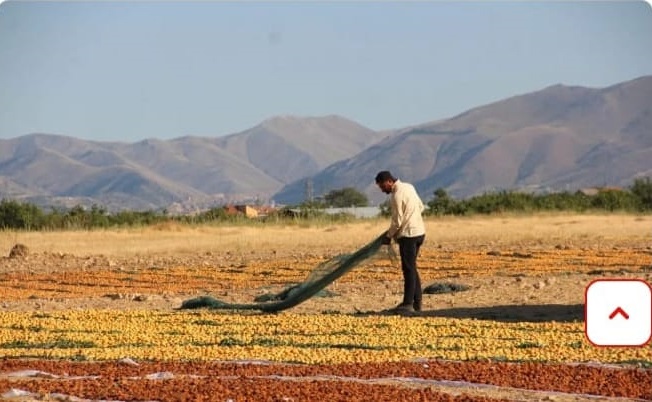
(406, 208)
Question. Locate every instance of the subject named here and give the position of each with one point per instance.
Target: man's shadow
(504, 313)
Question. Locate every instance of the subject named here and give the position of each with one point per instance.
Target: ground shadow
(506, 313)
(520, 313)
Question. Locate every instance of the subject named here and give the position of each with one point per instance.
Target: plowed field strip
(576, 379)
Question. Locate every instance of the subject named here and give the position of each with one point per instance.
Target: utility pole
(309, 190)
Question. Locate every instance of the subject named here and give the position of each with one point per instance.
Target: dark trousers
(409, 249)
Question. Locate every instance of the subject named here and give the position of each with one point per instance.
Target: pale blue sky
(124, 71)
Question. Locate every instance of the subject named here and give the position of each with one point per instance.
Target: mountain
(561, 137)
(305, 145)
(197, 171)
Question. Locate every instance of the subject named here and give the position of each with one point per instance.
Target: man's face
(386, 186)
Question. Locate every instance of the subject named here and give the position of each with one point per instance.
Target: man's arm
(397, 204)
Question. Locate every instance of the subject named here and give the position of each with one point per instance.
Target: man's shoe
(400, 309)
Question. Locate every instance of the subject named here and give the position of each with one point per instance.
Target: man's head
(385, 181)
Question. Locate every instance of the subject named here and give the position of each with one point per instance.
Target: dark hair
(384, 176)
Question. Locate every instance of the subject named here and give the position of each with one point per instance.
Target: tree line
(20, 215)
(635, 199)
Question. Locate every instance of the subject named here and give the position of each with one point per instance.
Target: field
(94, 314)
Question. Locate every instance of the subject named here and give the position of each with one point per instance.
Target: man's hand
(386, 240)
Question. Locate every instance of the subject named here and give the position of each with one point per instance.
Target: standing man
(408, 230)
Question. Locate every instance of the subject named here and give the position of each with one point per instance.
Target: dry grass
(458, 233)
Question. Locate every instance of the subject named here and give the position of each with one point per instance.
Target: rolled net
(319, 278)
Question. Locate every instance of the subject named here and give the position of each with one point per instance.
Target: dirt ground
(521, 298)
(514, 287)
(516, 268)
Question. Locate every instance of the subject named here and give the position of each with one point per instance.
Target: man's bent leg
(418, 294)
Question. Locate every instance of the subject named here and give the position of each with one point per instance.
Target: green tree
(213, 214)
(16, 215)
(614, 200)
(564, 201)
(98, 216)
(346, 197)
(441, 204)
(77, 218)
(642, 190)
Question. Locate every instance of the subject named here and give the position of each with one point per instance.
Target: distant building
(246, 210)
(264, 210)
(261, 211)
(250, 211)
(596, 190)
(358, 212)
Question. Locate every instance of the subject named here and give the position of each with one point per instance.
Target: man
(408, 230)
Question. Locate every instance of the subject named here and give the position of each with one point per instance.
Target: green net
(323, 275)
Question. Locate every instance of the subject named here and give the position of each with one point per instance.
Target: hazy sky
(130, 70)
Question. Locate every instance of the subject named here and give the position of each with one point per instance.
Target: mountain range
(558, 138)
